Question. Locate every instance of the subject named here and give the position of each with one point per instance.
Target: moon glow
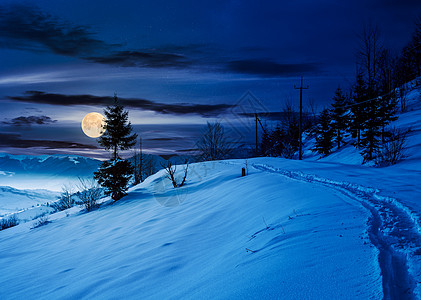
(93, 125)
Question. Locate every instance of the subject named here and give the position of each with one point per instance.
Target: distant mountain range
(48, 164)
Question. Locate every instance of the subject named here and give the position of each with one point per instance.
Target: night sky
(174, 64)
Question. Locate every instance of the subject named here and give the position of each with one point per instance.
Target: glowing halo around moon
(93, 125)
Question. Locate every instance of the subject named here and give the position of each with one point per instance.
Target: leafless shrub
(40, 215)
(66, 200)
(394, 148)
(170, 168)
(41, 222)
(89, 193)
(9, 222)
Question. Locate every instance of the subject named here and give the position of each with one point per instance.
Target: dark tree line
(283, 140)
(364, 112)
(373, 101)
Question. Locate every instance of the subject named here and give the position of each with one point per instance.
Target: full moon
(93, 124)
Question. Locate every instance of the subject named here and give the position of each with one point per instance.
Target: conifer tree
(370, 136)
(387, 109)
(339, 115)
(358, 116)
(324, 134)
(115, 174)
(277, 138)
(266, 144)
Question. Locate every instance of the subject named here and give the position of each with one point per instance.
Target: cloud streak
(206, 110)
(15, 140)
(28, 121)
(270, 68)
(143, 59)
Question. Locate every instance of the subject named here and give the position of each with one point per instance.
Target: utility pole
(301, 88)
(255, 116)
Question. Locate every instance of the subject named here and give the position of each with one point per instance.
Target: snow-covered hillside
(221, 236)
(13, 200)
(327, 228)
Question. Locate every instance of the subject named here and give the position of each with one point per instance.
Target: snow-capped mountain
(57, 165)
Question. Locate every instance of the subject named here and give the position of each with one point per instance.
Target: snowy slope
(304, 241)
(326, 228)
(13, 200)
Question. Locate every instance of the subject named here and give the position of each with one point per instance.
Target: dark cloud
(270, 68)
(27, 121)
(14, 140)
(38, 97)
(26, 27)
(152, 59)
(29, 28)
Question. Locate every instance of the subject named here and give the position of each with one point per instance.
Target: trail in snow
(392, 230)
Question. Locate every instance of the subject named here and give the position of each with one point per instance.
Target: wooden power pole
(301, 88)
(255, 116)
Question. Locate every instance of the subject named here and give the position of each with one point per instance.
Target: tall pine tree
(339, 115)
(266, 143)
(115, 174)
(324, 134)
(371, 134)
(277, 138)
(358, 108)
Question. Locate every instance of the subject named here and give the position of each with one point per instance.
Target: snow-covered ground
(327, 228)
(221, 236)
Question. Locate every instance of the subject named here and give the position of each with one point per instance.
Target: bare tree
(213, 144)
(312, 107)
(143, 165)
(394, 149)
(138, 164)
(403, 96)
(170, 168)
(89, 193)
(369, 55)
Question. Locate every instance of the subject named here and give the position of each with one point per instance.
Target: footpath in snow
(394, 229)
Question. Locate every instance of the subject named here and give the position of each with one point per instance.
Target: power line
(365, 101)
